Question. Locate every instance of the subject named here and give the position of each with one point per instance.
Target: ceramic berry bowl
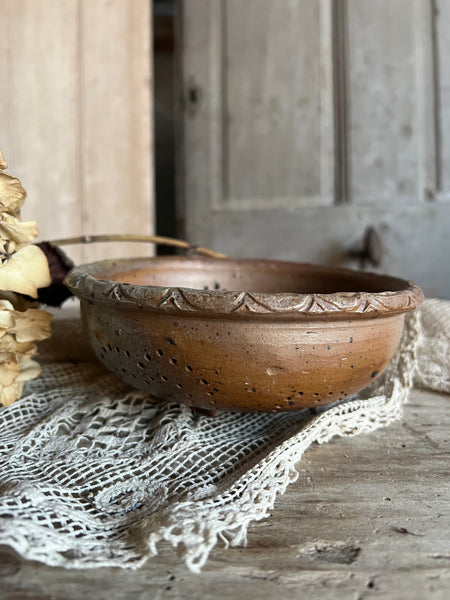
(242, 334)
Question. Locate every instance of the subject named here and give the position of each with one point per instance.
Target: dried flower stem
(154, 239)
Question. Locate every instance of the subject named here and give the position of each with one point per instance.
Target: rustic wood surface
(369, 517)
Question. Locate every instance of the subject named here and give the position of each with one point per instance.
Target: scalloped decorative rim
(216, 302)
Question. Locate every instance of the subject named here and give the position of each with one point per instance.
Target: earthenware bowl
(246, 335)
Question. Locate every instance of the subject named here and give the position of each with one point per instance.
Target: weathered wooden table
(369, 517)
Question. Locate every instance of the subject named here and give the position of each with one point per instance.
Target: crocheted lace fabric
(93, 473)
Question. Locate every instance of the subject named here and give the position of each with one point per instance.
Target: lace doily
(93, 473)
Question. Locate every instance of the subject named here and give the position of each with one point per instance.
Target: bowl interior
(250, 275)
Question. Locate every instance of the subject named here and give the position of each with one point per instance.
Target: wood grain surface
(75, 117)
(369, 517)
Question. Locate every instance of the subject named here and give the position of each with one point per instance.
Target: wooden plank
(39, 110)
(368, 516)
(116, 122)
(385, 89)
(425, 94)
(5, 134)
(76, 121)
(199, 157)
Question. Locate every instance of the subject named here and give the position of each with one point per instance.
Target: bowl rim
(193, 301)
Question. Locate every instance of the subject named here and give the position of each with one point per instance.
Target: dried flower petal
(25, 271)
(12, 194)
(10, 393)
(32, 325)
(3, 164)
(18, 301)
(7, 248)
(29, 369)
(6, 322)
(9, 370)
(21, 233)
(11, 349)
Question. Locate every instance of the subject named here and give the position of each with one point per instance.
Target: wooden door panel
(272, 90)
(442, 73)
(388, 76)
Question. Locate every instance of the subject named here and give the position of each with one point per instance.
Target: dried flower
(14, 230)
(9, 393)
(18, 331)
(3, 164)
(12, 353)
(12, 194)
(23, 269)
(19, 302)
(6, 317)
(32, 325)
(22, 326)
(16, 367)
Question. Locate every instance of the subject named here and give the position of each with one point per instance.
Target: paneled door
(306, 123)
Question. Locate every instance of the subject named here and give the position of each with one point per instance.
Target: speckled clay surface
(248, 335)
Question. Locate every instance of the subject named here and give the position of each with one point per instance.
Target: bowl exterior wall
(242, 364)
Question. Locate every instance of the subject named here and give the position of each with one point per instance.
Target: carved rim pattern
(215, 302)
